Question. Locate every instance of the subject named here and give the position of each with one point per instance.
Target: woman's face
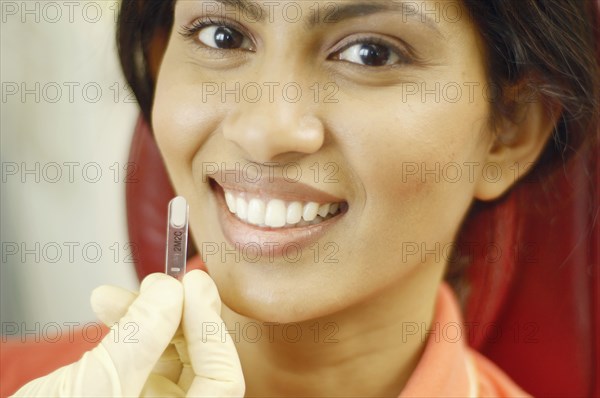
(377, 107)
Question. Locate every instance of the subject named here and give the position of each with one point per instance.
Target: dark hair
(551, 47)
(139, 23)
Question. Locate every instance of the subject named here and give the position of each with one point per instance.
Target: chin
(273, 296)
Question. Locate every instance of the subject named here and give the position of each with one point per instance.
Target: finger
(110, 303)
(169, 364)
(137, 341)
(159, 386)
(186, 375)
(214, 359)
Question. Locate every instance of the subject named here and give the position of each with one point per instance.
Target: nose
(266, 129)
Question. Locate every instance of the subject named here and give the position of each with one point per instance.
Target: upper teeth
(277, 213)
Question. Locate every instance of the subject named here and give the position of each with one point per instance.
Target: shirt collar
(445, 368)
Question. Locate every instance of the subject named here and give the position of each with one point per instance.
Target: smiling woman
(331, 153)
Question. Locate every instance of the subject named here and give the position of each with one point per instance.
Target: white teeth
(241, 208)
(323, 210)
(294, 213)
(276, 213)
(334, 208)
(310, 211)
(256, 211)
(230, 199)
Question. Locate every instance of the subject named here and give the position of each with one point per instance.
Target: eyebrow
(340, 11)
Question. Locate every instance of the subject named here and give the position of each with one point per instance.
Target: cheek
(415, 168)
(182, 122)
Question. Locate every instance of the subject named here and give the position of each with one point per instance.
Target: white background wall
(57, 44)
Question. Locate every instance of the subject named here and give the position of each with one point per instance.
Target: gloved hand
(159, 358)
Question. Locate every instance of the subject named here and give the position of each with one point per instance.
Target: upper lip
(266, 184)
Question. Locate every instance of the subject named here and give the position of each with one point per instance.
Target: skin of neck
(368, 349)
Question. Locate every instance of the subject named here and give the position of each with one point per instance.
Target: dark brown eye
(369, 54)
(374, 54)
(223, 37)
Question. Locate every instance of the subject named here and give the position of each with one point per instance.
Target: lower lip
(272, 242)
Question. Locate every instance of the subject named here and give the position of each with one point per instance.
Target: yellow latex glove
(159, 358)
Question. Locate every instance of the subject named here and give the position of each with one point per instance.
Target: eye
(223, 37)
(371, 52)
(218, 35)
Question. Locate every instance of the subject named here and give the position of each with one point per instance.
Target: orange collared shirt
(449, 368)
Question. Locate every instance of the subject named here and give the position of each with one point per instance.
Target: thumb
(136, 342)
(110, 303)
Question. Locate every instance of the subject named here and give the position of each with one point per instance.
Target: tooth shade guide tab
(177, 231)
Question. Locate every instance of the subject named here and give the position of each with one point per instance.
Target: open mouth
(274, 215)
(267, 211)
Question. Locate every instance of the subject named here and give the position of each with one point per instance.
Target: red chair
(533, 307)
